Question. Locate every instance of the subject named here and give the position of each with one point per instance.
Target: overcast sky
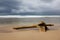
(30, 7)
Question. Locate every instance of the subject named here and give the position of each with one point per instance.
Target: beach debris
(42, 26)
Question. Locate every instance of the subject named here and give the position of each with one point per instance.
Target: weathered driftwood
(25, 27)
(42, 26)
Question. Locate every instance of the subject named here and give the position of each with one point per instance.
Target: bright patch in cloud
(38, 5)
(33, 6)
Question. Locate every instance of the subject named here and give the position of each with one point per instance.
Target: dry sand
(7, 33)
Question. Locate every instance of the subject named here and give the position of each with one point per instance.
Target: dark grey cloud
(29, 7)
(48, 1)
(7, 5)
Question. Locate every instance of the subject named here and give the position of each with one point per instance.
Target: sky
(29, 7)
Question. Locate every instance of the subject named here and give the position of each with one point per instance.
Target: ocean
(30, 20)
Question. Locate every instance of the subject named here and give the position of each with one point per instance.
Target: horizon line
(27, 16)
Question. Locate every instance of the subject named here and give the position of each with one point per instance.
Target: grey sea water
(29, 20)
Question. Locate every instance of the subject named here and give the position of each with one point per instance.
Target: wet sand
(8, 33)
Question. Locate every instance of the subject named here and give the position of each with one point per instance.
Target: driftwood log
(42, 26)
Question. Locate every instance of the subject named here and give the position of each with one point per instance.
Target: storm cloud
(30, 7)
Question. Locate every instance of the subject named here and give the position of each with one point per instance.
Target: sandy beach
(8, 33)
